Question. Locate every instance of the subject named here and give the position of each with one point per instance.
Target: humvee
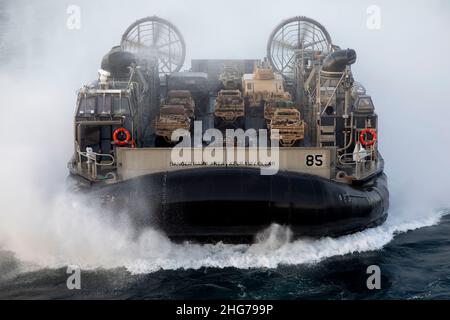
(184, 98)
(171, 118)
(229, 108)
(291, 129)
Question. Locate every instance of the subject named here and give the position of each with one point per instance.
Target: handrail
(93, 156)
(92, 162)
(359, 166)
(362, 159)
(346, 162)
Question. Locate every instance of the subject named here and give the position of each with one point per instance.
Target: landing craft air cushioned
(302, 96)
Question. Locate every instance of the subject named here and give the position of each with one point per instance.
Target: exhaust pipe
(338, 60)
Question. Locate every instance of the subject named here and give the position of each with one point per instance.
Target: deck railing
(92, 164)
(359, 166)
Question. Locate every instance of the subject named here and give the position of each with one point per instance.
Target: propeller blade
(165, 63)
(285, 45)
(287, 64)
(303, 29)
(313, 43)
(167, 44)
(156, 33)
(173, 56)
(136, 44)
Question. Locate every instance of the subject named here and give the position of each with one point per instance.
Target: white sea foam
(268, 254)
(55, 232)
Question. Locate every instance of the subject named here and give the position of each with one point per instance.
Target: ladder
(327, 134)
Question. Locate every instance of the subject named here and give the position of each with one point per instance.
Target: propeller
(293, 39)
(154, 37)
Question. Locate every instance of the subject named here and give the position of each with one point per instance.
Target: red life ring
(121, 142)
(363, 137)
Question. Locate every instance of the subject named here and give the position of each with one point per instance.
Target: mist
(404, 67)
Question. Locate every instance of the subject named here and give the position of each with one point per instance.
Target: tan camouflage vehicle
(230, 77)
(291, 129)
(262, 85)
(171, 117)
(229, 108)
(184, 98)
(280, 101)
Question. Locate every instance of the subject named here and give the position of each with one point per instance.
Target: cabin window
(125, 106)
(104, 105)
(87, 106)
(120, 106)
(116, 105)
(365, 104)
(249, 86)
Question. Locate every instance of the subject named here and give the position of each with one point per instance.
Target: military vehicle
(231, 77)
(331, 184)
(272, 105)
(261, 86)
(287, 127)
(171, 118)
(184, 98)
(196, 83)
(229, 108)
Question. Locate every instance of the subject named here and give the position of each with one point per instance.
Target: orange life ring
(363, 136)
(118, 141)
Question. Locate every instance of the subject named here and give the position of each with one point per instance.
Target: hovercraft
(293, 142)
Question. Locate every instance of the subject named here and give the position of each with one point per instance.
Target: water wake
(274, 250)
(57, 231)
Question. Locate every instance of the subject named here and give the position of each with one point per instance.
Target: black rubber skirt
(237, 203)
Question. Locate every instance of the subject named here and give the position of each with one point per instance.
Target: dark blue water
(414, 265)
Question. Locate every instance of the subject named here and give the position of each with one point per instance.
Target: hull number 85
(314, 160)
